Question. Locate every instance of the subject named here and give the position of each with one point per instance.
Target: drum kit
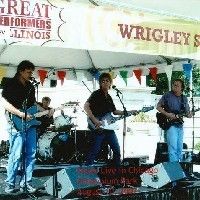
(58, 144)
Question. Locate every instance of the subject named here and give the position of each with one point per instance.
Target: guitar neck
(45, 112)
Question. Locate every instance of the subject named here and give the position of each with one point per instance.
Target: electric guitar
(164, 122)
(19, 124)
(108, 120)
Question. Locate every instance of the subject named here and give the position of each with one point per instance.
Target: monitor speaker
(162, 174)
(72, 179)
(162, 152)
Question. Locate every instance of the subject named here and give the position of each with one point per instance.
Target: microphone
(34, 81)
(115, 88)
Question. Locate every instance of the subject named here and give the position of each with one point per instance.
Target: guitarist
(171, 105)
(15, 92)
(45, 120)
(98, 105)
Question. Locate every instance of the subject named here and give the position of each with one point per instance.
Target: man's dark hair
(25, 64)
(105, 75)
(182, 83)
(46, 99)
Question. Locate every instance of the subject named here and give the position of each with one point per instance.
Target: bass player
(173, 104)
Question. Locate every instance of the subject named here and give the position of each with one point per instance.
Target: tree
(161, 83)
(196, 79)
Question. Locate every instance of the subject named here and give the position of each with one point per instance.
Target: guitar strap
(10, 120)
(182, 105)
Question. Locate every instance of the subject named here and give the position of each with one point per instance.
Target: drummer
(46, 120)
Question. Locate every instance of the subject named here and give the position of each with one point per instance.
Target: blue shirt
(174, 104)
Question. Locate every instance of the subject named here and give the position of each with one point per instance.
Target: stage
(186, 188)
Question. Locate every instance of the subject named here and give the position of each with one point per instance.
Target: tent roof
(80, 59)
(76, 58)
(180, 8)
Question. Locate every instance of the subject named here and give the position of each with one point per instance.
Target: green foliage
(196, 80)
(197, 146)
(141, 117)
(161, 83)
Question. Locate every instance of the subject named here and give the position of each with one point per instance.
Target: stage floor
(185, 189)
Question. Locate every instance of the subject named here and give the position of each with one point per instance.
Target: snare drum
(63, 123)
(55, 147)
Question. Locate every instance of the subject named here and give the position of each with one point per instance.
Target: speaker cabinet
(71, 180)
(162, 174)
(162, 152)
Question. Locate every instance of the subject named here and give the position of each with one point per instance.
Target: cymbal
(72, 103)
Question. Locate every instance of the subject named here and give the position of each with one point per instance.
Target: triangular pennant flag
(168, 71)
(124, 75)
(96, 75)
(61, 75)
(42, 74)
(3, 71)
(138, 74)
(112, 74)
(153, 72)
(187, 69)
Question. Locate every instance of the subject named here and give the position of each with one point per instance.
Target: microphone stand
(124, 123)
(24, 132)
(192, 101)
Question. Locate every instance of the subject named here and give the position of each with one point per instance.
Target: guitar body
(165, 123)
(108, 120)
(162, 121)
(19, 123)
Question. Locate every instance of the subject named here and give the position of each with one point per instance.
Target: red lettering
(148, 33)
(139, 33)
(167, 39)
(12, 7)
(37, 10)
(159, 36)
(177, 38)
(186, 37)
(25, 8)
(197, 40)
(125, 32)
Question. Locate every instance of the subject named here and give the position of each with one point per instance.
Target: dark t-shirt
(16, 93)
(45, 120)
(101, 104)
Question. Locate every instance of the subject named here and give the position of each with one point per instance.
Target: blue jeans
(112, 141)
(175, 143)
(17, 140)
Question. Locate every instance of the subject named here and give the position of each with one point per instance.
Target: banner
(78, 26)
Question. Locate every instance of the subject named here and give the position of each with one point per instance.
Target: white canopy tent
(79, 56)
(65, 56)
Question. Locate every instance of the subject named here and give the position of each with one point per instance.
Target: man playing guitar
(171, 105)
(18, 93)
(97, 106)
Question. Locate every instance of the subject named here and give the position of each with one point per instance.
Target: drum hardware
(63, 122)
(77, 157)
(55, 147)
(72, 103)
